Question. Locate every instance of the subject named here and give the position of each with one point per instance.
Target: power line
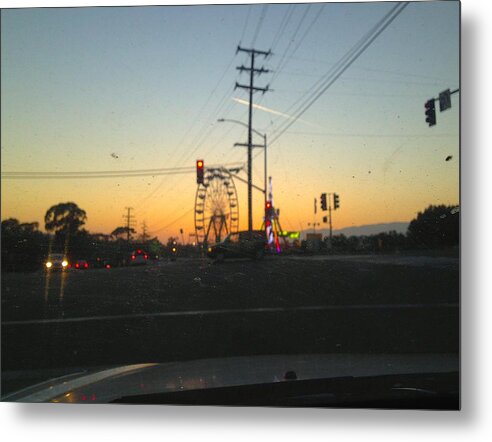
(246, 23)
(341, 65)
(205, 132)
(358, 52)
(152, 192)
(142, 201)
(172, 222)
(283, 25)
(93, 172)
(291, 40)
(384, 71)
(202, 136)
(260, 23)
(282, 63)
(104, 174)
(350, 135)
(85, 177)
(341, 61)
(338, 64)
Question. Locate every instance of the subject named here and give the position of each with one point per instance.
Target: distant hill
(368, 229)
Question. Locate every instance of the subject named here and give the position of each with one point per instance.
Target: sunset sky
(109, 89)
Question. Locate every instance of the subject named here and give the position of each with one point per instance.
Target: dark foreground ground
(192, 309)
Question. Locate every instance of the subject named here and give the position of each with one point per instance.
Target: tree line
(435, 228)
(24, 247)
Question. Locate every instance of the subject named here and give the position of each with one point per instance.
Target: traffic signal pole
(325, 201)
(315, 211)
(329, 214)
(444, 103)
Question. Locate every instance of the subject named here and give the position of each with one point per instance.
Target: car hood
(113, 383)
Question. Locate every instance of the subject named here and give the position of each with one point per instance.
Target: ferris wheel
(216, 206)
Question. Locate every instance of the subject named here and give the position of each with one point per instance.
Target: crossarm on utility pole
(247, 145)
(252, 88)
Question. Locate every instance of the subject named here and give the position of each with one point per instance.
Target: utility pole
(265, 165)
(251, 88)
(144, 231)
(130, 220)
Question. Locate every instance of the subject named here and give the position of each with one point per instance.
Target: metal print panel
(252, 204)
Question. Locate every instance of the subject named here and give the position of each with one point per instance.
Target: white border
(121, 423)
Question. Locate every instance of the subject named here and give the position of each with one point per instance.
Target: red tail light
(139, 252)
(77, 266)
(133, 256)
(86, 265)
(145, 256)
(108, 266)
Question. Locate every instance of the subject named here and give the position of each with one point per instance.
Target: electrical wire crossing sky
(111, 107)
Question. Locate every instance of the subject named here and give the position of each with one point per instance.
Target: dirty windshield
(321, 139)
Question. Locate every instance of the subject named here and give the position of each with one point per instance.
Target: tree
(64, 218)
(13, 226)
(436, 226)
(122, 232)
(23, 246)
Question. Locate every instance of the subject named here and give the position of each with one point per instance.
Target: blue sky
(148, 84)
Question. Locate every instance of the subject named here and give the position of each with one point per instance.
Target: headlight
(210, 249)
(48, 264)
(64, 263)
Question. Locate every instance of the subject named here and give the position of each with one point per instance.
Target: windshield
(321, 139)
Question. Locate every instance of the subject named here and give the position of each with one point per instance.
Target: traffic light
(325, 219)
(199, 171)
(336, 201)
(430, 112)
(268, 209)
(323, 201)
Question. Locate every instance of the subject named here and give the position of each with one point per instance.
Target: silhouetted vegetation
(388, 242)
(25, 247)
(123, 232)
(435, 227)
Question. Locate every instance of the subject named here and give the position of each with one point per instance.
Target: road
(192, 308)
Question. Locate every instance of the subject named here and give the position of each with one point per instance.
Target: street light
(227, 120)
